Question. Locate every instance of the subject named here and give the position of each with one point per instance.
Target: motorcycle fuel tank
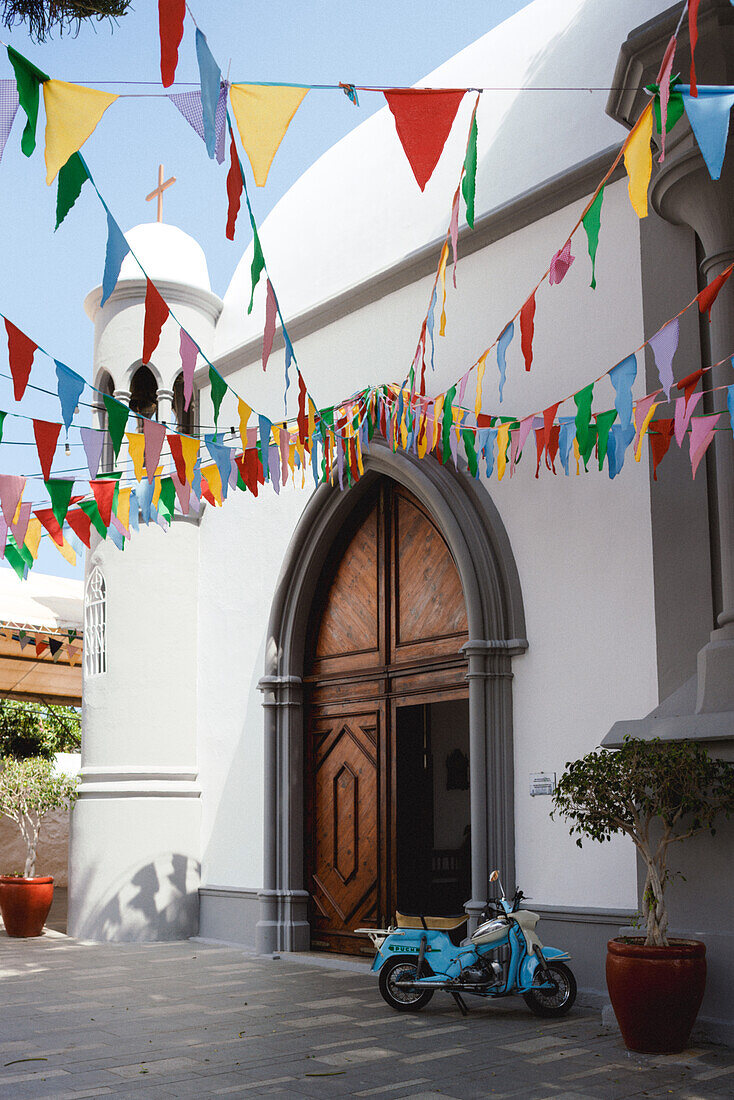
(492, 931)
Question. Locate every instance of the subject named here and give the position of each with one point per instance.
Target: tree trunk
(654, 912)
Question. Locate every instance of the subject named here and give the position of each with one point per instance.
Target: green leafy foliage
(28, 790)
(33, 729)
(657, 793)
(43, 16)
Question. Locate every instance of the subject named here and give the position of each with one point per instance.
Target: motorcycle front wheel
(556, 1001)
(402, 968)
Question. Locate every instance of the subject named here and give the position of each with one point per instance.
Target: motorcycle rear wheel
(403, 968)
(552, 1002)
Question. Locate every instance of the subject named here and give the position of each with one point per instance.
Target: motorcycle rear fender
(407, 941)
(529, 965)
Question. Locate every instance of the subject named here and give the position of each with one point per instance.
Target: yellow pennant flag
(442, 280)
(638, 161)
(245, 413)
(263, 115)
(503, 434)
(577, 456)
(481, 366)
(437, 419)
(72, 112)
(33, 536)
(123, 508)
(66, 550)
(214, 480)
(643, 429)
(422, 437)
(158, 486)
(136, 446)
(189, 450)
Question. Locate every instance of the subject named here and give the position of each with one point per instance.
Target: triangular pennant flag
(72, 112)
(503, 342)
(20, 528)
(188, 351)
(604, 423)
(560, 264)
(72, 178)
(11, 492)
(684, 410)
(117, 415)
(90, 509)
(527, 330)
(638, 161)
(189, 105)
(33, 536)
(49, 521)
(93, 441)
(469, 182)
(122, 511)
(210, 77)
(211, 481)
(28, 80)
(223, 457)
(622, 378)
(644, 410)
(46, 435)
(660, 436)
(710, 293)
(174, 442)
(156, 315)
(257, 266)
(154, 434)
(167, 498)
(8, 108)
(549, 416)
(708, 114)
(136, 448)
(80, 524)
(21, 350)
(663, 82)
(171, 14)
(70, 388)
(271, 312)
(583, 400)
(104, 495)
(423, 120)
(59, 489)
(702, 432)
(189, 450)
(263, 114)
(218, 389)
(693, 38)
(234, 188)
(591, 222)
(664, 345)
(183, 492)
(117, 250)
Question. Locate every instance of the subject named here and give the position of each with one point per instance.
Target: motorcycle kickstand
(460, 1002)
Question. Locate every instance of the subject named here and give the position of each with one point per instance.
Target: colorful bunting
(638, 161)
(210, 77)
(189, 104)
(560, 264)
(622, 378)
(156, 315)
(104, 495)
(664, 345)
(702, 432)
(661, 434)
(72, 177)
(46, 437)
(663, 81)
(154, 434)
(136, 448)
(708, 114)
(72, 113)
(11, 493)
(263, 114)
(684, 410)
(28, 80)
(469, 181)
(693, 37)
(644, 410)
(423, 120)
(117, 415)
(527, 330)
(21, 350)
(604, 421)
(591, 222)
(90, 509)
(271, 312)
(234, 188)
(93, 442)
(583, 400)
(188, 350)
(117, 250)
(70, 388)
(218, 390)
(710, 293)
(171, 14)
(258, 264)
(503, 342)
(59, 490)
(49, 521)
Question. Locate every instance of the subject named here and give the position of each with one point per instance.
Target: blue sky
(47, 274)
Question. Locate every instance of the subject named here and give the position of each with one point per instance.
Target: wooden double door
(386, 629)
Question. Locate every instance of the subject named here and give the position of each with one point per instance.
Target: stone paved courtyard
(195, 1020)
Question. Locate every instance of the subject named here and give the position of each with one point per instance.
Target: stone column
(165, 407)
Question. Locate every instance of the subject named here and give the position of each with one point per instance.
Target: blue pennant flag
(223, 457)
(117, 250)
(210, 77)
(622, 377)
(71, 386)
(708, 114)
(503, 343)
(565, 440)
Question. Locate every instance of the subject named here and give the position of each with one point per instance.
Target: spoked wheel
(556, 1000)
(403, 968)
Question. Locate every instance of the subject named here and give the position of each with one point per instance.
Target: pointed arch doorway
(459, 513)
(386, 705)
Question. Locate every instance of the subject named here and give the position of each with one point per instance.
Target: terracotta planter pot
(24, 904)
(656, 992)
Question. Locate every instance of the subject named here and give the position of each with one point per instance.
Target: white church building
(309, 708)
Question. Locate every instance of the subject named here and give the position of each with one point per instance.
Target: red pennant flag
(171, 15)
(46, 435)
(207, 493)
(539, 448)
(156, 314)
(549, 416)
(21, 350)
(234, 188)
(49, 521)
(174, 442)
(693, 35)
(271, 312)
(709, 294)
(527, 329)
(689, 383)
(247, 464)
(40, 646)
(104, 495)
(423, 120)
(80, 524)
(660, 435)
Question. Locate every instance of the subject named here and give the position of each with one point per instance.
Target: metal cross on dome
(158, 192)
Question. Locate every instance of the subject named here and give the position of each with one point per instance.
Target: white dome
(167, 254)
(357, 211)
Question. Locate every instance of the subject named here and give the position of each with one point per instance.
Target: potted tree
(658, 794)
(28, 790)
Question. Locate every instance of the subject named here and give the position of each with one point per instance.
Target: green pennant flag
(14, 558)
(583, 401)
(167, 499)
(258, 264)
(447, 422)
(676, 106)
(604, 422)
(2, 423)
(59, 489)
(89, 507)
(28, 79)
(219, 388)
(471, 454)
(117, 415)
(590, 444)
(71, 180)
(469, 182)
(591, 222)
(23, 551)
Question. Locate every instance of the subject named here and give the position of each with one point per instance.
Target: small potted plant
(658, 794)
(28, 790)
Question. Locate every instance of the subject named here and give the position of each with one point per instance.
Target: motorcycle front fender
(529, 965)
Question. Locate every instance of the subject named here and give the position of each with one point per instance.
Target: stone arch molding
(465, 514)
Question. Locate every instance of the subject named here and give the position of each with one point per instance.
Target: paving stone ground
(195, 1020)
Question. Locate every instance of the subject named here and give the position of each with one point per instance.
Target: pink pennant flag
(93, 441)
(154, 436)
(560, 264)
(462, 387)
(11, 490)
(664, 345)
(285, 445)
(702, 432)
(271, 312)
(117, 523)
(663, 82)
(642, 409)
(454, 232)
(683, 413)
(183, 492)
(3, 537)
(188, 352)
(20, 529)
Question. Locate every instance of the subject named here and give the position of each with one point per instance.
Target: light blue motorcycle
(502, 957)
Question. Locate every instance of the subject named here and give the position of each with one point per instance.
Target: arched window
(95, 627)
(144, 393)
(107, 387)
(185, 418)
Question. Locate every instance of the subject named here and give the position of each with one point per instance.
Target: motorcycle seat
(433, 924)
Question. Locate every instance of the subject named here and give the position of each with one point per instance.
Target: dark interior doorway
(433, 812)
